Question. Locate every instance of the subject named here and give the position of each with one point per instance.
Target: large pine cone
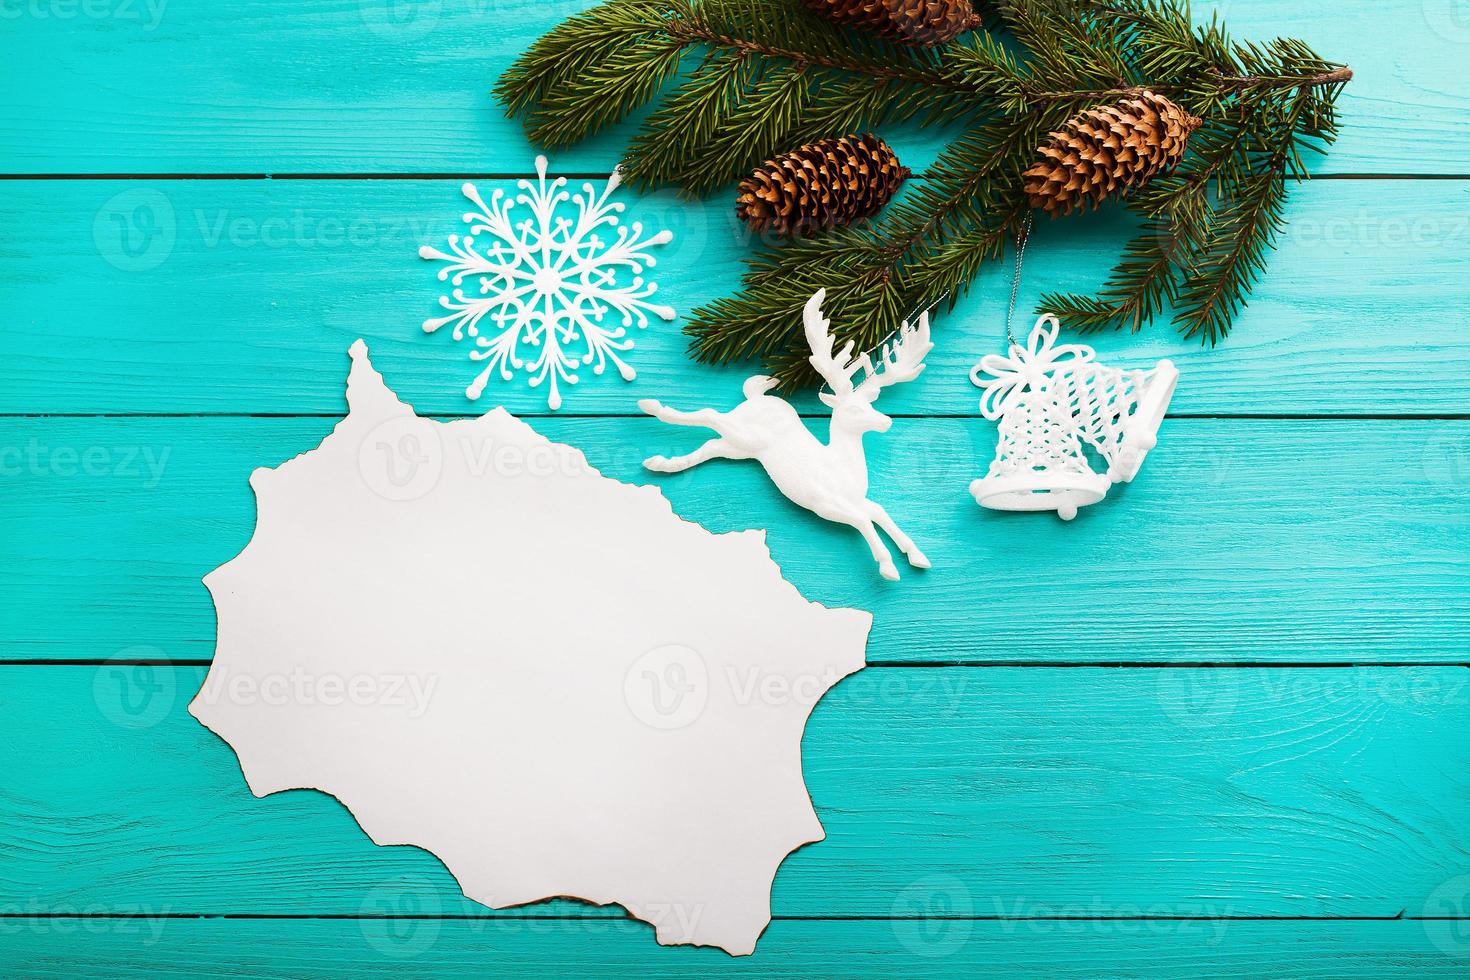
(820, 186)
(1112, 149)
(920, 22)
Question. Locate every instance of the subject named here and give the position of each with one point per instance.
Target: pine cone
(926, 23)
(1111, 149)
(820, 186)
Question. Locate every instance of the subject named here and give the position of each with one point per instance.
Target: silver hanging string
(1022, 237)
(930, 308)
(876, 352)
(873, 356)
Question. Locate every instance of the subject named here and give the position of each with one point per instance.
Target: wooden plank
(1240, 540)
(1016, 793)
(129, 950)
(362, 86)
(259, 287)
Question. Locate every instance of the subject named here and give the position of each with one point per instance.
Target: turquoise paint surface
(385, 86)
(1274, 781)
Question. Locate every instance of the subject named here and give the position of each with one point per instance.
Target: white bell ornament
(1055, 401)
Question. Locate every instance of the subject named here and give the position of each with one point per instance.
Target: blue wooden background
(1220, 725)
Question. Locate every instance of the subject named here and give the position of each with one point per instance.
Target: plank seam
(350, 917)
(906, 664)
(491, 175)
(1180, 416)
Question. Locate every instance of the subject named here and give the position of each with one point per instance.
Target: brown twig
(1337, 76)
(689, 33)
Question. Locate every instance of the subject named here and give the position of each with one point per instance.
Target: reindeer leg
(864, 526)
(704, 417)
(714, 449)
(904, 542)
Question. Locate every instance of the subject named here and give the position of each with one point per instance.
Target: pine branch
(766, 314)
(1144, 282)
(1233, 257)
(687, 121)
(593, 69)
(926, 249)
(780, 30)
(1247, 223)
(735, 82)
(762, 125)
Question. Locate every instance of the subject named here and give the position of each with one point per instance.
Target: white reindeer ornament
(829, 480)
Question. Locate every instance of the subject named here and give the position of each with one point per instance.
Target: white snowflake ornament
(547, 283)
(1051, 401)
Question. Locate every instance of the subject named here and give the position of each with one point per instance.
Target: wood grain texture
(1241, 540)
(1002, 792)
(257, 288)
(227, 949)
(366, 86)
(1020, 821)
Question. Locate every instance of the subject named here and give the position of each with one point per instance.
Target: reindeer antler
(902, 359)
(836, 371)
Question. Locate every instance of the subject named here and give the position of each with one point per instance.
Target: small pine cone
(926, 23)
(820, 186)
(1112, 149)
